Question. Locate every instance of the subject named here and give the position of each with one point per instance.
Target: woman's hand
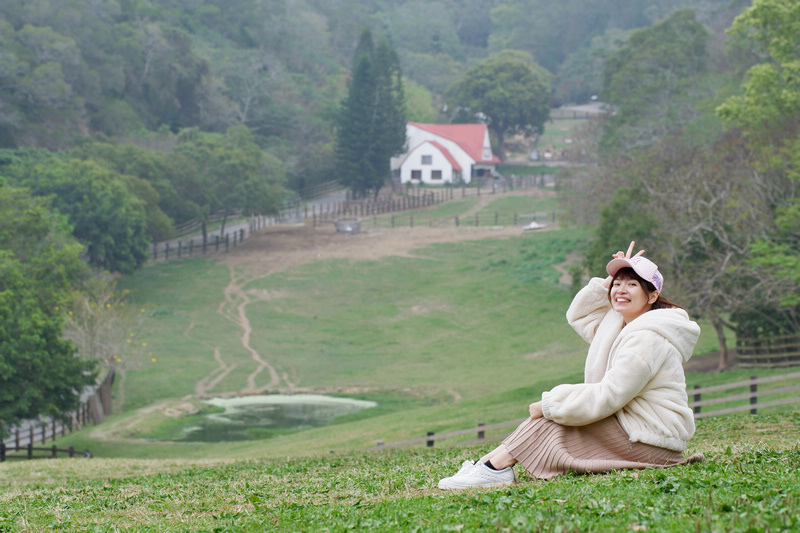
(622, 255)
(535, 410)
(627, 255)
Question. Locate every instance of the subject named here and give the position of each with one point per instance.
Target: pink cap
(641, 265)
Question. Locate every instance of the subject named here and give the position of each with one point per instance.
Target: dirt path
(280, 248)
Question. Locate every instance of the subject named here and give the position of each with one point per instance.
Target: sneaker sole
(454, 485)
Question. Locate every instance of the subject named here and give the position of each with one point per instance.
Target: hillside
(505, 287)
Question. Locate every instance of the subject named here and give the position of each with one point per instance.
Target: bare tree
(104, 326)
(712, 206)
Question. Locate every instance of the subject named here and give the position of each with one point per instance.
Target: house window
(436, 174)
(427, 159)
(416, 174)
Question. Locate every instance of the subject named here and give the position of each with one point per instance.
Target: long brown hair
(649, 288)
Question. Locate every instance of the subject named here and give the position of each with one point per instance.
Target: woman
(631, 411)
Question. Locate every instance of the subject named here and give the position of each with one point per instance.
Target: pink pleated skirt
(546, 449)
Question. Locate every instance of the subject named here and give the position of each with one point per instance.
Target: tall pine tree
(372, 122)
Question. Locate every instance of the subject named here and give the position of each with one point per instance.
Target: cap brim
(615, 265)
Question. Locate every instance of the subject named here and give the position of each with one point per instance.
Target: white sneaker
(478, 474)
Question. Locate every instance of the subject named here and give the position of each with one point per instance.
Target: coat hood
(672, 324)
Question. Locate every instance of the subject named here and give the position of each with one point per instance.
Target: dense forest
(109, 69)
(121, 118)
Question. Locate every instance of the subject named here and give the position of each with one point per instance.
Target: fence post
(696, 399)
(481, 432)
(2, 451)
(429, 443)
(30, 450)
(55, 451)
(72, 451)
(753, 397)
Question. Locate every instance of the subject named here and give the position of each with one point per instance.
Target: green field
(443, 338)
(749, 482)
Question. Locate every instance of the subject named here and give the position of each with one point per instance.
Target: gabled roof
(444, 151)
(468, 136)
(447, 154)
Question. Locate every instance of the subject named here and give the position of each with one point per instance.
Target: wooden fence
(752, 394)
(94, 409)
(773, 352)
(416, 198)
(753, 397)
(39, 453)
(323, 213)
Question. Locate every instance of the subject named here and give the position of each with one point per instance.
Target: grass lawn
(442, 338)
(744, 485)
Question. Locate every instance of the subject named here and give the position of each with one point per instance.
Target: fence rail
(94, 408)
(44, 453)
(772, 352)
(752, 396)
(416, 198)
(403, 205)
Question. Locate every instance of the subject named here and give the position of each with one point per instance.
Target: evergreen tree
(371, 124)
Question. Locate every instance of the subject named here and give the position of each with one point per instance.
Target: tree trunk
(723, 345)
(224, 220)
(501, 146)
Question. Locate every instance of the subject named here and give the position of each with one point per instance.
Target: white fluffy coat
(634, 372)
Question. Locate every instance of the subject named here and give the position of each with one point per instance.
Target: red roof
(447, 154)
(468, 136)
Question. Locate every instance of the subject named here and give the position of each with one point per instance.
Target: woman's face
(630, 299)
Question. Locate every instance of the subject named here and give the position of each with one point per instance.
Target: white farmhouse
(444, 153)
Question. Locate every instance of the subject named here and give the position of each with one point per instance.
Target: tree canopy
(39, 264)
(767, 112)
(651, 80)
(508, 91)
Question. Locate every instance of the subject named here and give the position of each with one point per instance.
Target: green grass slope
(749, 482)
(443, 338)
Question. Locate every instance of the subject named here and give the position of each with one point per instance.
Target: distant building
(444, 153)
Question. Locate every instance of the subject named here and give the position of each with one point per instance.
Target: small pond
(253, 417)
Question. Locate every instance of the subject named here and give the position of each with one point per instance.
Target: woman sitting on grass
(631, 411)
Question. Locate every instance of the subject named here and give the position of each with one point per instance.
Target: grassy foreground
(443, 338)
(749, 482)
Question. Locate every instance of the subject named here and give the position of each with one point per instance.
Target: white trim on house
(437, 160)
(429, 163)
